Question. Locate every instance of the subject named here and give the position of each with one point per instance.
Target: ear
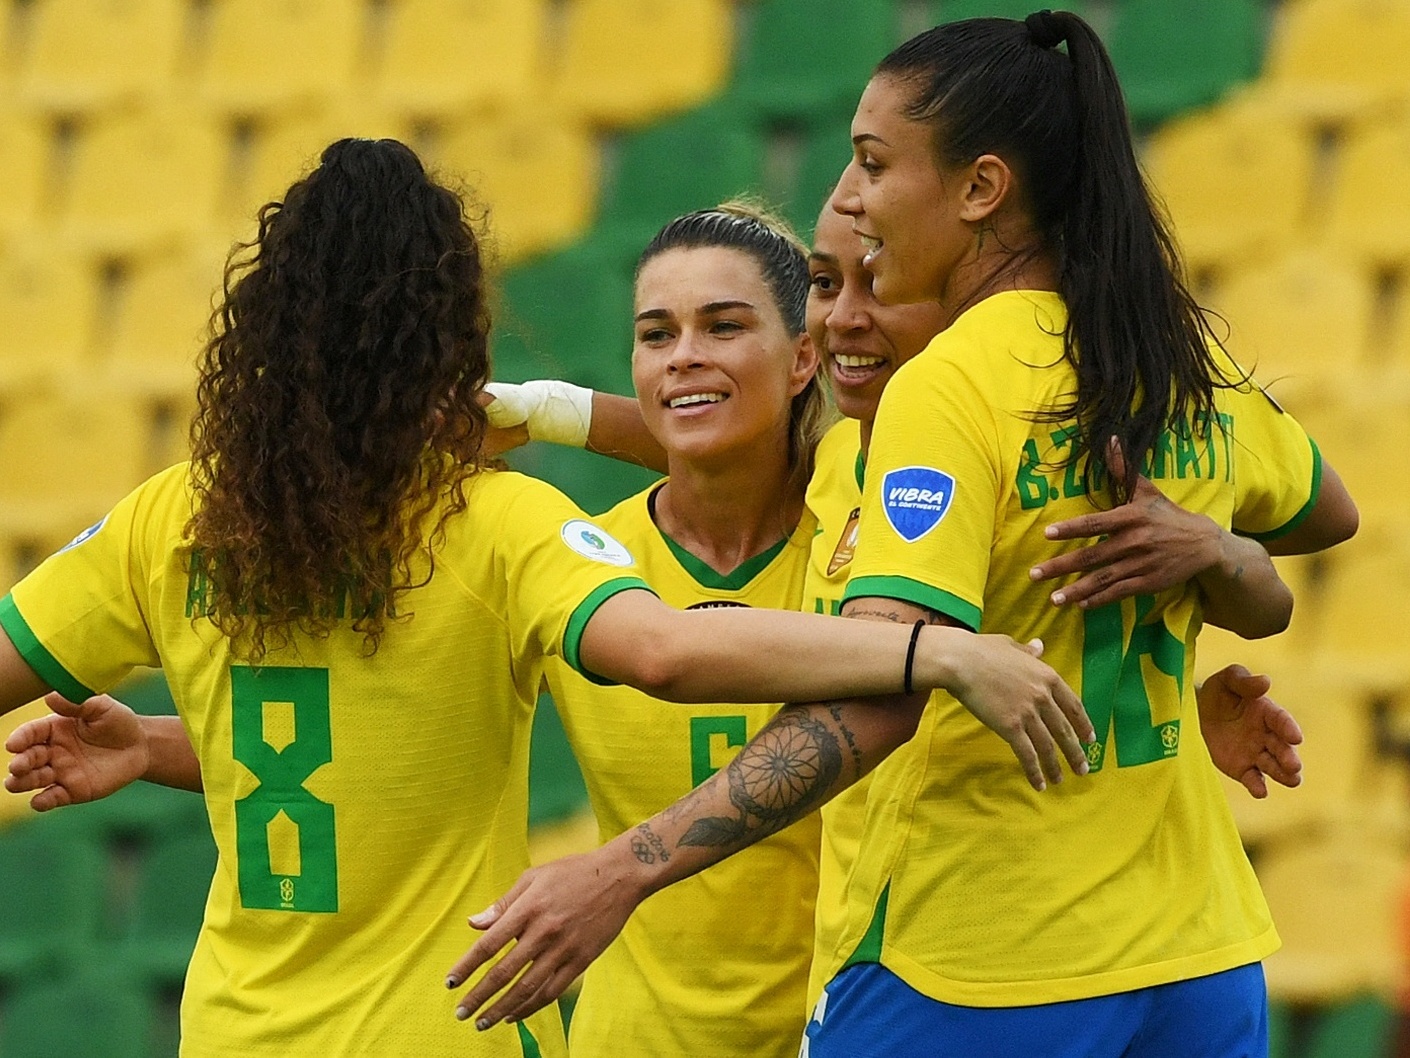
(805, 365)
(987, 184)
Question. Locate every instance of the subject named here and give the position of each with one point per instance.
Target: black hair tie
(1044, 29)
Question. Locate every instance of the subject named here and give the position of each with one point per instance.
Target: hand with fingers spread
(84, 752)
(1018, 697)
(1249, 735)
(1150, 544)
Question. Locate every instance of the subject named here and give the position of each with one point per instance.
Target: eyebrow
(705, 310)
(825, 258)
(863, 137)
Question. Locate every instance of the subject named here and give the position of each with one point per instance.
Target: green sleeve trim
(709, 577)
(578, 622)
(869, 947)
(913, 591)
(44, 664)
(1301, 516)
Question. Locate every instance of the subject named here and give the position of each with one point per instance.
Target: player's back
(363, 803)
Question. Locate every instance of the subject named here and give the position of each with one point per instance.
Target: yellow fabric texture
(834, 497)
(363, 806)
(1133, 875)
(717, 964)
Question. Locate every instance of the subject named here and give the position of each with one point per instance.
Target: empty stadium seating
(1341, 54)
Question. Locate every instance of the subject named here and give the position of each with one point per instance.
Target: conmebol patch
(916, 500)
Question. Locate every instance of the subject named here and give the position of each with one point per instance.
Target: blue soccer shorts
(869, 1012)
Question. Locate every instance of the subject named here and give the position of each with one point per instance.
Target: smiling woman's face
(714, 366)
(899, 201)
(861, 342)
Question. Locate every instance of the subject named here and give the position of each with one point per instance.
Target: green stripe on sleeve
(44, 664)
(578, 622)
(1306, 509)
(913, 591)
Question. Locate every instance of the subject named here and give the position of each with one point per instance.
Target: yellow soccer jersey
(717, 964)
(968, 884)
(362, 806)
(835, 498)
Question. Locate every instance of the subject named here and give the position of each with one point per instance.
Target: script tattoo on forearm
(647, 845)
(778, 778)
(837, 716)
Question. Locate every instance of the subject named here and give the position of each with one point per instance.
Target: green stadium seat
(827, 149)
(174, 881)
(800, 56)
(92, 1014)
(424, 66)
(142, 178)
(556, 787)
(534, 169)
(1358, 1027)
(954, 10)
(693, 161)
(88, 53)
(51, 899)
(264, 55)
(624, 61)
(1171, 57)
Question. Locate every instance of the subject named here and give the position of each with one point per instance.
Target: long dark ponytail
(1137, 339)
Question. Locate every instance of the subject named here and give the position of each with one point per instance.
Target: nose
(686, 353)
(848, 313)
(845, 199)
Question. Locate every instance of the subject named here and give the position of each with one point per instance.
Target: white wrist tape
(557, 412)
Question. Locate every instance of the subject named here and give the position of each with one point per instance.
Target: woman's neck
(1001, 261)
(724, 514)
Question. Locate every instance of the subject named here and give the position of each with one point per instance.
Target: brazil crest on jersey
(362, 805)
(968, 884)
(718, 963)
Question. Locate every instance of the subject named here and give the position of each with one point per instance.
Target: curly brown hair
(337, 405)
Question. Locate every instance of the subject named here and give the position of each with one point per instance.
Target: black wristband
(909, 685)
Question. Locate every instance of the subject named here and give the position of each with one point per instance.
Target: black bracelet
(911, 655)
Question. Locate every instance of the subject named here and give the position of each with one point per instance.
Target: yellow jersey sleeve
(932, 494)
(1277, 467)
(81, 620)
(560, 567)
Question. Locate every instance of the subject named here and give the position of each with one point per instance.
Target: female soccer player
(994, 174)
(353, 614)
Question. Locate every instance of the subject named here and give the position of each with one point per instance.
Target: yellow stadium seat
(626, 61)
(1350, 51)
(143, 177)
(536, 175)
(66, 459)
(163, 318)
(1369, 213)
(443, 55)
(1336, 898)
(266, 54)
(48, 305)
(1360, 437)
(1234, 179)
(24, 144)
(86, 53)
(1304, 316)
(1363, 621)
(284, 149)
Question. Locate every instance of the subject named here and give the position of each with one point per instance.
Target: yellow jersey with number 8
(363, 805)
(969, 885)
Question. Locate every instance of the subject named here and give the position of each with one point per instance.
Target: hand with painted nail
(559, 917)
(1249, 735)
(1144, 546)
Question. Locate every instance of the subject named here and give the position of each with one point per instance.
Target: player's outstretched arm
(565, 414)
(1149, 544)
(563, 915)
(85, 751)
(1250, 737)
